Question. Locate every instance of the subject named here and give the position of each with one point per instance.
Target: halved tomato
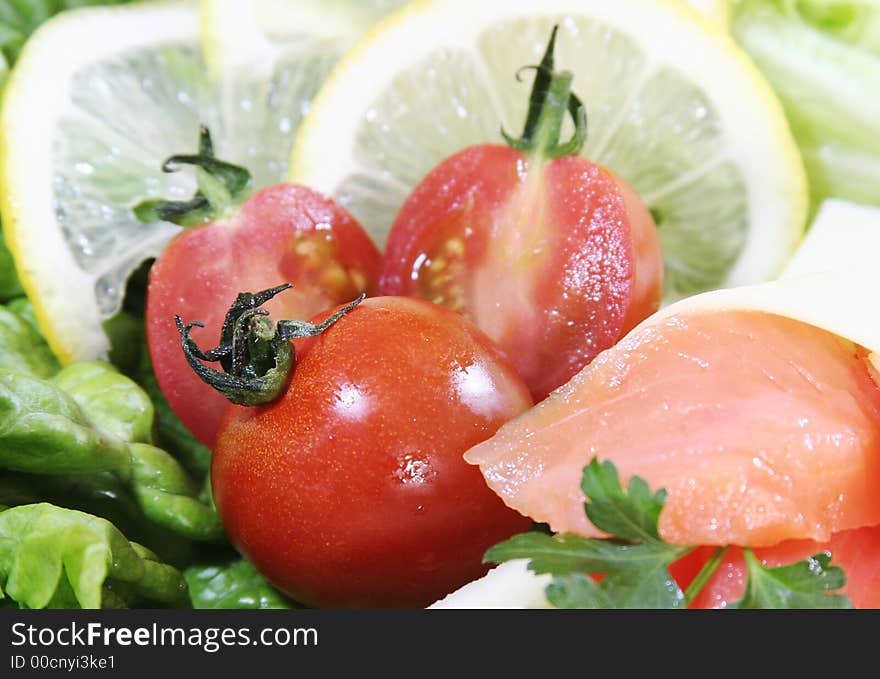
(551, 255)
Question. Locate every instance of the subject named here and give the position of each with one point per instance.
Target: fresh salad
(360, 304)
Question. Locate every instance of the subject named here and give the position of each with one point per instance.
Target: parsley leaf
(564, 554)
(634, 561)
(630, 515)
(805, 584)
(647, 588)
(577, 591)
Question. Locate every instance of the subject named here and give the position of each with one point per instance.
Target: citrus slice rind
(674, 107)
(86, 125)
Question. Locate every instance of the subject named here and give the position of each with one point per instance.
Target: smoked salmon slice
(761, 428)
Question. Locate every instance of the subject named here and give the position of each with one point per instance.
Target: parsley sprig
(634, 562)
(805, 584)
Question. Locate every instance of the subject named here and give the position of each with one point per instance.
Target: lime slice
(270, 57)
(674, 107)
(97, 100)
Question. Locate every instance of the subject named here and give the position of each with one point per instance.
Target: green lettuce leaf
(822, 58)
(234, 584)
(44, 430)
(170, 433)
(20, 18)
(22, 349)
(9, 284)
(106, 496)
(111, 400)
(25, 310)
(59, 558)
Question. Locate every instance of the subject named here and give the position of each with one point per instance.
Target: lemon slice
(716, 11)
(270, 57)
(674, 107)
(97, 100)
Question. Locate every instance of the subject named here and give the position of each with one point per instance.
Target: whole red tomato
(553, 256)
(351, 490)
(285, 232)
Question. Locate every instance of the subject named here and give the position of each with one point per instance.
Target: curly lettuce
(60, 558)
(822, 57)
(232, 584)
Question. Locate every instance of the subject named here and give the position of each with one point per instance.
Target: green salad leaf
(631, 566)
(822, 58)
(111, 401)
(22, 349)
(233, 584)
(44, 430)
(9, 284)
(20, 18)
(24, 308)
(170, 433)
(107, 496)
(59, 558)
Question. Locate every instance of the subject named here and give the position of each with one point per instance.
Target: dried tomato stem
(256, 354)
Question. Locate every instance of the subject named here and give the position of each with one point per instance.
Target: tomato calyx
(221, 186)
(257, 356)
(550, 100)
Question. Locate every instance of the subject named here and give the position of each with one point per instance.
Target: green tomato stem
(550, 100)
(221, 187)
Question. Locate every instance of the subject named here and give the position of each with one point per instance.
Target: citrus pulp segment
(270, 57)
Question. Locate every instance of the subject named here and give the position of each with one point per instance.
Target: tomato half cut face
(554, 260)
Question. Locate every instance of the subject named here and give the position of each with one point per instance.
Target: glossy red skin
(856, 551)
(351, 490)
(582, 268)
(203, 269)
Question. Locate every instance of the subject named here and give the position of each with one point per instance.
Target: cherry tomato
(351, 490)
(553, 256)
(282, 233)
(555, 261)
